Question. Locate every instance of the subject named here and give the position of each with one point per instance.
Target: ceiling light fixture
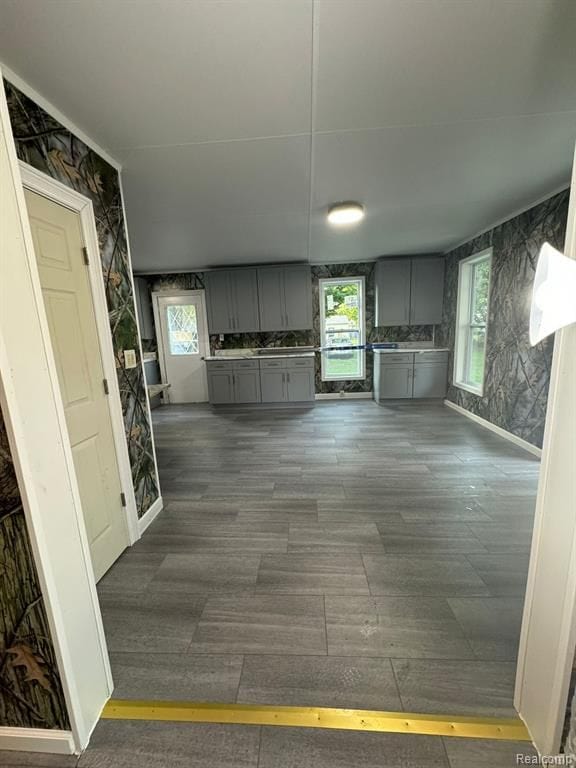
(345, 213)
(553, 295)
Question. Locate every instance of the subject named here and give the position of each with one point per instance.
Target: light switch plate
(130, 358)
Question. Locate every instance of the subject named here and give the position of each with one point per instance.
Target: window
(182, 329)
(342, 325)
(472, 318)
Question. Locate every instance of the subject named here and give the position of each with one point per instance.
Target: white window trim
(339, 281)
(462, 315)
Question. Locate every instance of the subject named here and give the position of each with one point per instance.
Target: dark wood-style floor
(348, 555)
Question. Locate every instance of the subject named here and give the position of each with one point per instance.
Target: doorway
(59, 247)
(182, 345)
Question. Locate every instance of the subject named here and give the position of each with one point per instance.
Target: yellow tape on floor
(318, 717)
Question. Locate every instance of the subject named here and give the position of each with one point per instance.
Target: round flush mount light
(345, 213)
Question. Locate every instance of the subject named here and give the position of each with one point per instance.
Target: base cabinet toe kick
(265, 381)
(410, 375)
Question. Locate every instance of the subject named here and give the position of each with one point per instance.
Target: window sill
(479, 392)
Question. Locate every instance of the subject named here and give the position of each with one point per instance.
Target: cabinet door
(300, 384)
(430, 379)
(218, 302)
(244, 293)
(297, 298)
(144, 306)
(395, 381)
(427, 291)
(220, 388)
(272, 383)
(247, 386)
(271, 299)
(392, 286)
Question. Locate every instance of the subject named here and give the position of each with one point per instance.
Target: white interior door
(183, 343)
(58, 244)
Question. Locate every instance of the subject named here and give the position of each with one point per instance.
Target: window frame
(362, 352)
(464, 323)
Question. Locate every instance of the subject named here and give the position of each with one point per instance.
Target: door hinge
(106, 387)
(85, 254)
(123, 499)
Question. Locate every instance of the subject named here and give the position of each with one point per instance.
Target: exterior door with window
(183, 344)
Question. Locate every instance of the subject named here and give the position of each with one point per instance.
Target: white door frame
(548, 637)
(156, 295)
(40, 446)
(48, 187)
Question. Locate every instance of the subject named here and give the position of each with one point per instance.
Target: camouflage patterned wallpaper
(517, 375)
(45, 144)
(31, 695)
(195, 281)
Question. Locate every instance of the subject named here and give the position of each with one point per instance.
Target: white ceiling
(238, 122)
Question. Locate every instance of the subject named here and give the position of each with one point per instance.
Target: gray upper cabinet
(427, 291)
(218, 303)
(232, 301)
(298, 297)
(392, 278)
(285, 296)
(409, 291)
(271, 298)
(244, 291)
(144, 307)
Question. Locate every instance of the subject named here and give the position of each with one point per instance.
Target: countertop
(250, 356)
(417, 350)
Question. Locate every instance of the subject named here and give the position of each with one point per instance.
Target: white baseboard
(344, 396)
(149, 516)
(37, 740)
(497, 430)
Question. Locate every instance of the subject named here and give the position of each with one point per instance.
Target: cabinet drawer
(396, 358)
(216, 365)
(430, 357)
(300, 362)
(267, 364)
(246, 365)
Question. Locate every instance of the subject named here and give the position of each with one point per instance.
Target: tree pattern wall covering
(517, 376)
(45, 144)
(195, 281)
(30, 691)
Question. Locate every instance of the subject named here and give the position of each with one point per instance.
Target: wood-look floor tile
(319, 681)
(440, 576)
(284, 624)
(206, 574)
(312, 574)
(402, 627)
(475, 688)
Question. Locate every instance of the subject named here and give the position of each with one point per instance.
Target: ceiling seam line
(313, 62)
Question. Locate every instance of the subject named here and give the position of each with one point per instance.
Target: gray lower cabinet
(401, 376)
(430, 379)
(393, 381)
(221, 387)
(233, 382)
(273, 385)
(300, 385)
(281, 380)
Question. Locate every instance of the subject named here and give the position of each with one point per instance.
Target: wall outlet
(221, 337)
(342, 393)
(130, 358)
